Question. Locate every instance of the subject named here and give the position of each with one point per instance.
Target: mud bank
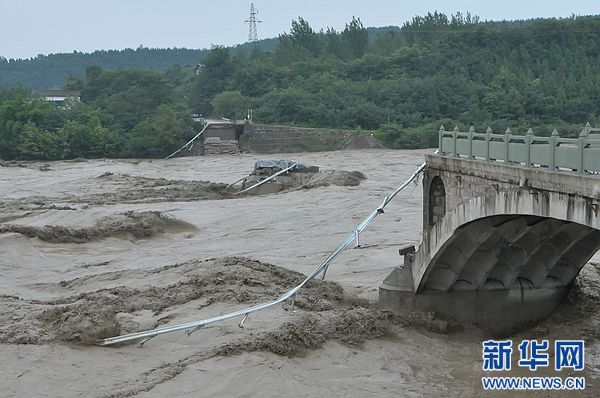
(135, 189)
(323, 178)
(308, 331)
(87, 317)
(322, 310)
(127, 225)
(130, 189)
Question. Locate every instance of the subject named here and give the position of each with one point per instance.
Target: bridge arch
(514, 239)
(512, 251)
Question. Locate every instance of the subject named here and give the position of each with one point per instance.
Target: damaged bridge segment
(506, 228)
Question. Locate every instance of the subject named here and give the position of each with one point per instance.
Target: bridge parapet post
(470, 136)
(506, 138)
(580, 147)
(440, 133)
(455, 133)
(488, 136)
(553, 137)
(528, 138)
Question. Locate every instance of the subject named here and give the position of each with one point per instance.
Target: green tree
(93, 72)
(127, 97)
(356, 37)
(333, 44)
(230, 104)
(303, 37)
(170, 130)
(88, 140)
(36, 143)
(15, 115)
(158, 136)
(213, 77)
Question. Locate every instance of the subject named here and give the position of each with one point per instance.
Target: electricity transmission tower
(252, 21)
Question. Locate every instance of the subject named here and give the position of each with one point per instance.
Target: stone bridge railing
(581, 155)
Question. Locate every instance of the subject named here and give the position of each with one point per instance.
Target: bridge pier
(499, 312)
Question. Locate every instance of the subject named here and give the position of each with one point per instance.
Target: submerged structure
(271, 176)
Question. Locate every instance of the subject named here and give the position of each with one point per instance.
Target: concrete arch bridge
(508, 223)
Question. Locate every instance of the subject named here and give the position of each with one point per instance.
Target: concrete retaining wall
(263, 138)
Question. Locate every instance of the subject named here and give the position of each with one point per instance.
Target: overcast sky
(31, 27)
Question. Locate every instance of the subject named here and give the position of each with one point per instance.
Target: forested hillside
(401, 83)
(51, 71)
(541, 73)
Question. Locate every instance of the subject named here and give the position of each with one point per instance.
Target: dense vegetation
(50, 71)
(403, 83)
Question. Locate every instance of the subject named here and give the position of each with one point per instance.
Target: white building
(59, 95)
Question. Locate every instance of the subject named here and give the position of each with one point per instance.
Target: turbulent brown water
(91, 249)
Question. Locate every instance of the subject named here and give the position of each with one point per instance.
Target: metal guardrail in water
(189, 142)
(191, 327)
(236, 181)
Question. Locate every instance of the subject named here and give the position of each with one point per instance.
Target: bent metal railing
(267, 179)
(190, 143)
(191, 327)
(554, 153)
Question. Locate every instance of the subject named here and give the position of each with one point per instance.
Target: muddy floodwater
(91, 249)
